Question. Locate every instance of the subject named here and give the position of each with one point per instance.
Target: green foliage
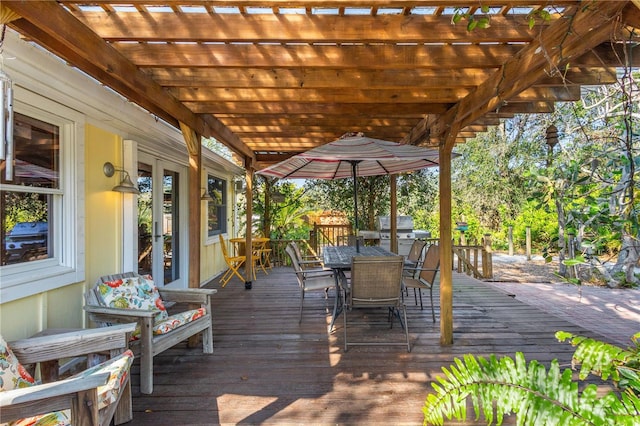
(416, 196)
(498, 387)
(287, 218)
(23, 207)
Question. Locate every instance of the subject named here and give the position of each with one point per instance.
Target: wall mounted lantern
(206, 196)
(125, 185)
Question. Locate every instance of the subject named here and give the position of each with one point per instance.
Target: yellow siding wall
(103, 207)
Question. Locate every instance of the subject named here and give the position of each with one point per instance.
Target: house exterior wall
(108, 122)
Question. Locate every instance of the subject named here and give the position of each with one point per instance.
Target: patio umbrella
(354, 155)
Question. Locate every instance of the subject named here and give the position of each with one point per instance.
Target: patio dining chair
(424, 276)
(376, 282)
(415, 254)
(306, 262)
(310, 279)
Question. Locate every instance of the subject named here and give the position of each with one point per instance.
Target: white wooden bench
(93, 397)
(153, 337)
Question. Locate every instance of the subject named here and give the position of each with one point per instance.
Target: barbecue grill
(405, 234)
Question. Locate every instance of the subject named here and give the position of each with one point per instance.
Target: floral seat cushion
(138, 293)
(14, 376)
(142, 294)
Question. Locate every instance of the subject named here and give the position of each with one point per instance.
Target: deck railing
(473, 260)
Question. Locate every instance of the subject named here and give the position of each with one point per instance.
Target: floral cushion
(172, 322)
(12, 374)
(133, 293)
(118, 368)
(142, 294)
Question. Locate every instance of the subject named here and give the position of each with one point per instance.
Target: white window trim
(208, 239)
(68, 264)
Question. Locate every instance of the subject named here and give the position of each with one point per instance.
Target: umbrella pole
(354, 165)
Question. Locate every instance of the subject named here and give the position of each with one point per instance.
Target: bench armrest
(190, 295)
(72, 344)
(39, 399)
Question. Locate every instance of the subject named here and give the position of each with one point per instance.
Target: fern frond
(500, 387)
(599, 358)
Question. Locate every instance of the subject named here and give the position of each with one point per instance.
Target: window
(39, 205)
(217, 207)
(27, 204)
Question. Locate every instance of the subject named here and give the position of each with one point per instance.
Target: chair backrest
(291, 251)
(431, 264)
(376, 281)
(223, 244)
(415, 252)
(295, 264)
(296, 250)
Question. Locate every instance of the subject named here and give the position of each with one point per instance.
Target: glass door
(159, 232)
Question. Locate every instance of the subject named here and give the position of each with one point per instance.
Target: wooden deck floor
(268, 369)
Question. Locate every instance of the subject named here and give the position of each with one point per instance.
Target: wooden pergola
(272, 78)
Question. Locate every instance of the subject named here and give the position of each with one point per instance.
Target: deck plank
(268, 369)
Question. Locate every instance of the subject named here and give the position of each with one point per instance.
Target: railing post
(510, 239)
(528, 242)
(313, 237)
(572, 254)
(487, 259)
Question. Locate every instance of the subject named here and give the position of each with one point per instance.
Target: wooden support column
(394, 212)
(248, 266)
(194, 147)
(446, 245)
(195, 209)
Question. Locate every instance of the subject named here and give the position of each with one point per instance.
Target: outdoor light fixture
(206, 196)
(125, 185)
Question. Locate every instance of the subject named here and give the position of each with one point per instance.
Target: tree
(283, 217)
(417, 197)
(594, 177)
(489, 182)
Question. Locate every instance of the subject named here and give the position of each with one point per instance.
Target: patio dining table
(339, 258)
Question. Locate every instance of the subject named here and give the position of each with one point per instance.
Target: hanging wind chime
(6, 115)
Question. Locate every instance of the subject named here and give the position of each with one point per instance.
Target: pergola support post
(248, 265)
(393, 179)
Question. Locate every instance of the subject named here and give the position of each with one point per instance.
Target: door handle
(156, 234)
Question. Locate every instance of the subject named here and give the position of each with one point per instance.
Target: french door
(160, 237)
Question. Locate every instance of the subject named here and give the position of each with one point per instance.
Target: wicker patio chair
(310, 279)
(376, 282)
(415, 254)
(424, 276)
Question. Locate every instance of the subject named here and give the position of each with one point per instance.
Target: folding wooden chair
(233, 262)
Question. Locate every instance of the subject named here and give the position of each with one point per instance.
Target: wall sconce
(125, 185)
(206, 196)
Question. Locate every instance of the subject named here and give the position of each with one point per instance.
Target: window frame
(222, 209)
(66, 266)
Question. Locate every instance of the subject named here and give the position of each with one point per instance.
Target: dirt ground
(518, 269)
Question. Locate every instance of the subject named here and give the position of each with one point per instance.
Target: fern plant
(502, 386)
